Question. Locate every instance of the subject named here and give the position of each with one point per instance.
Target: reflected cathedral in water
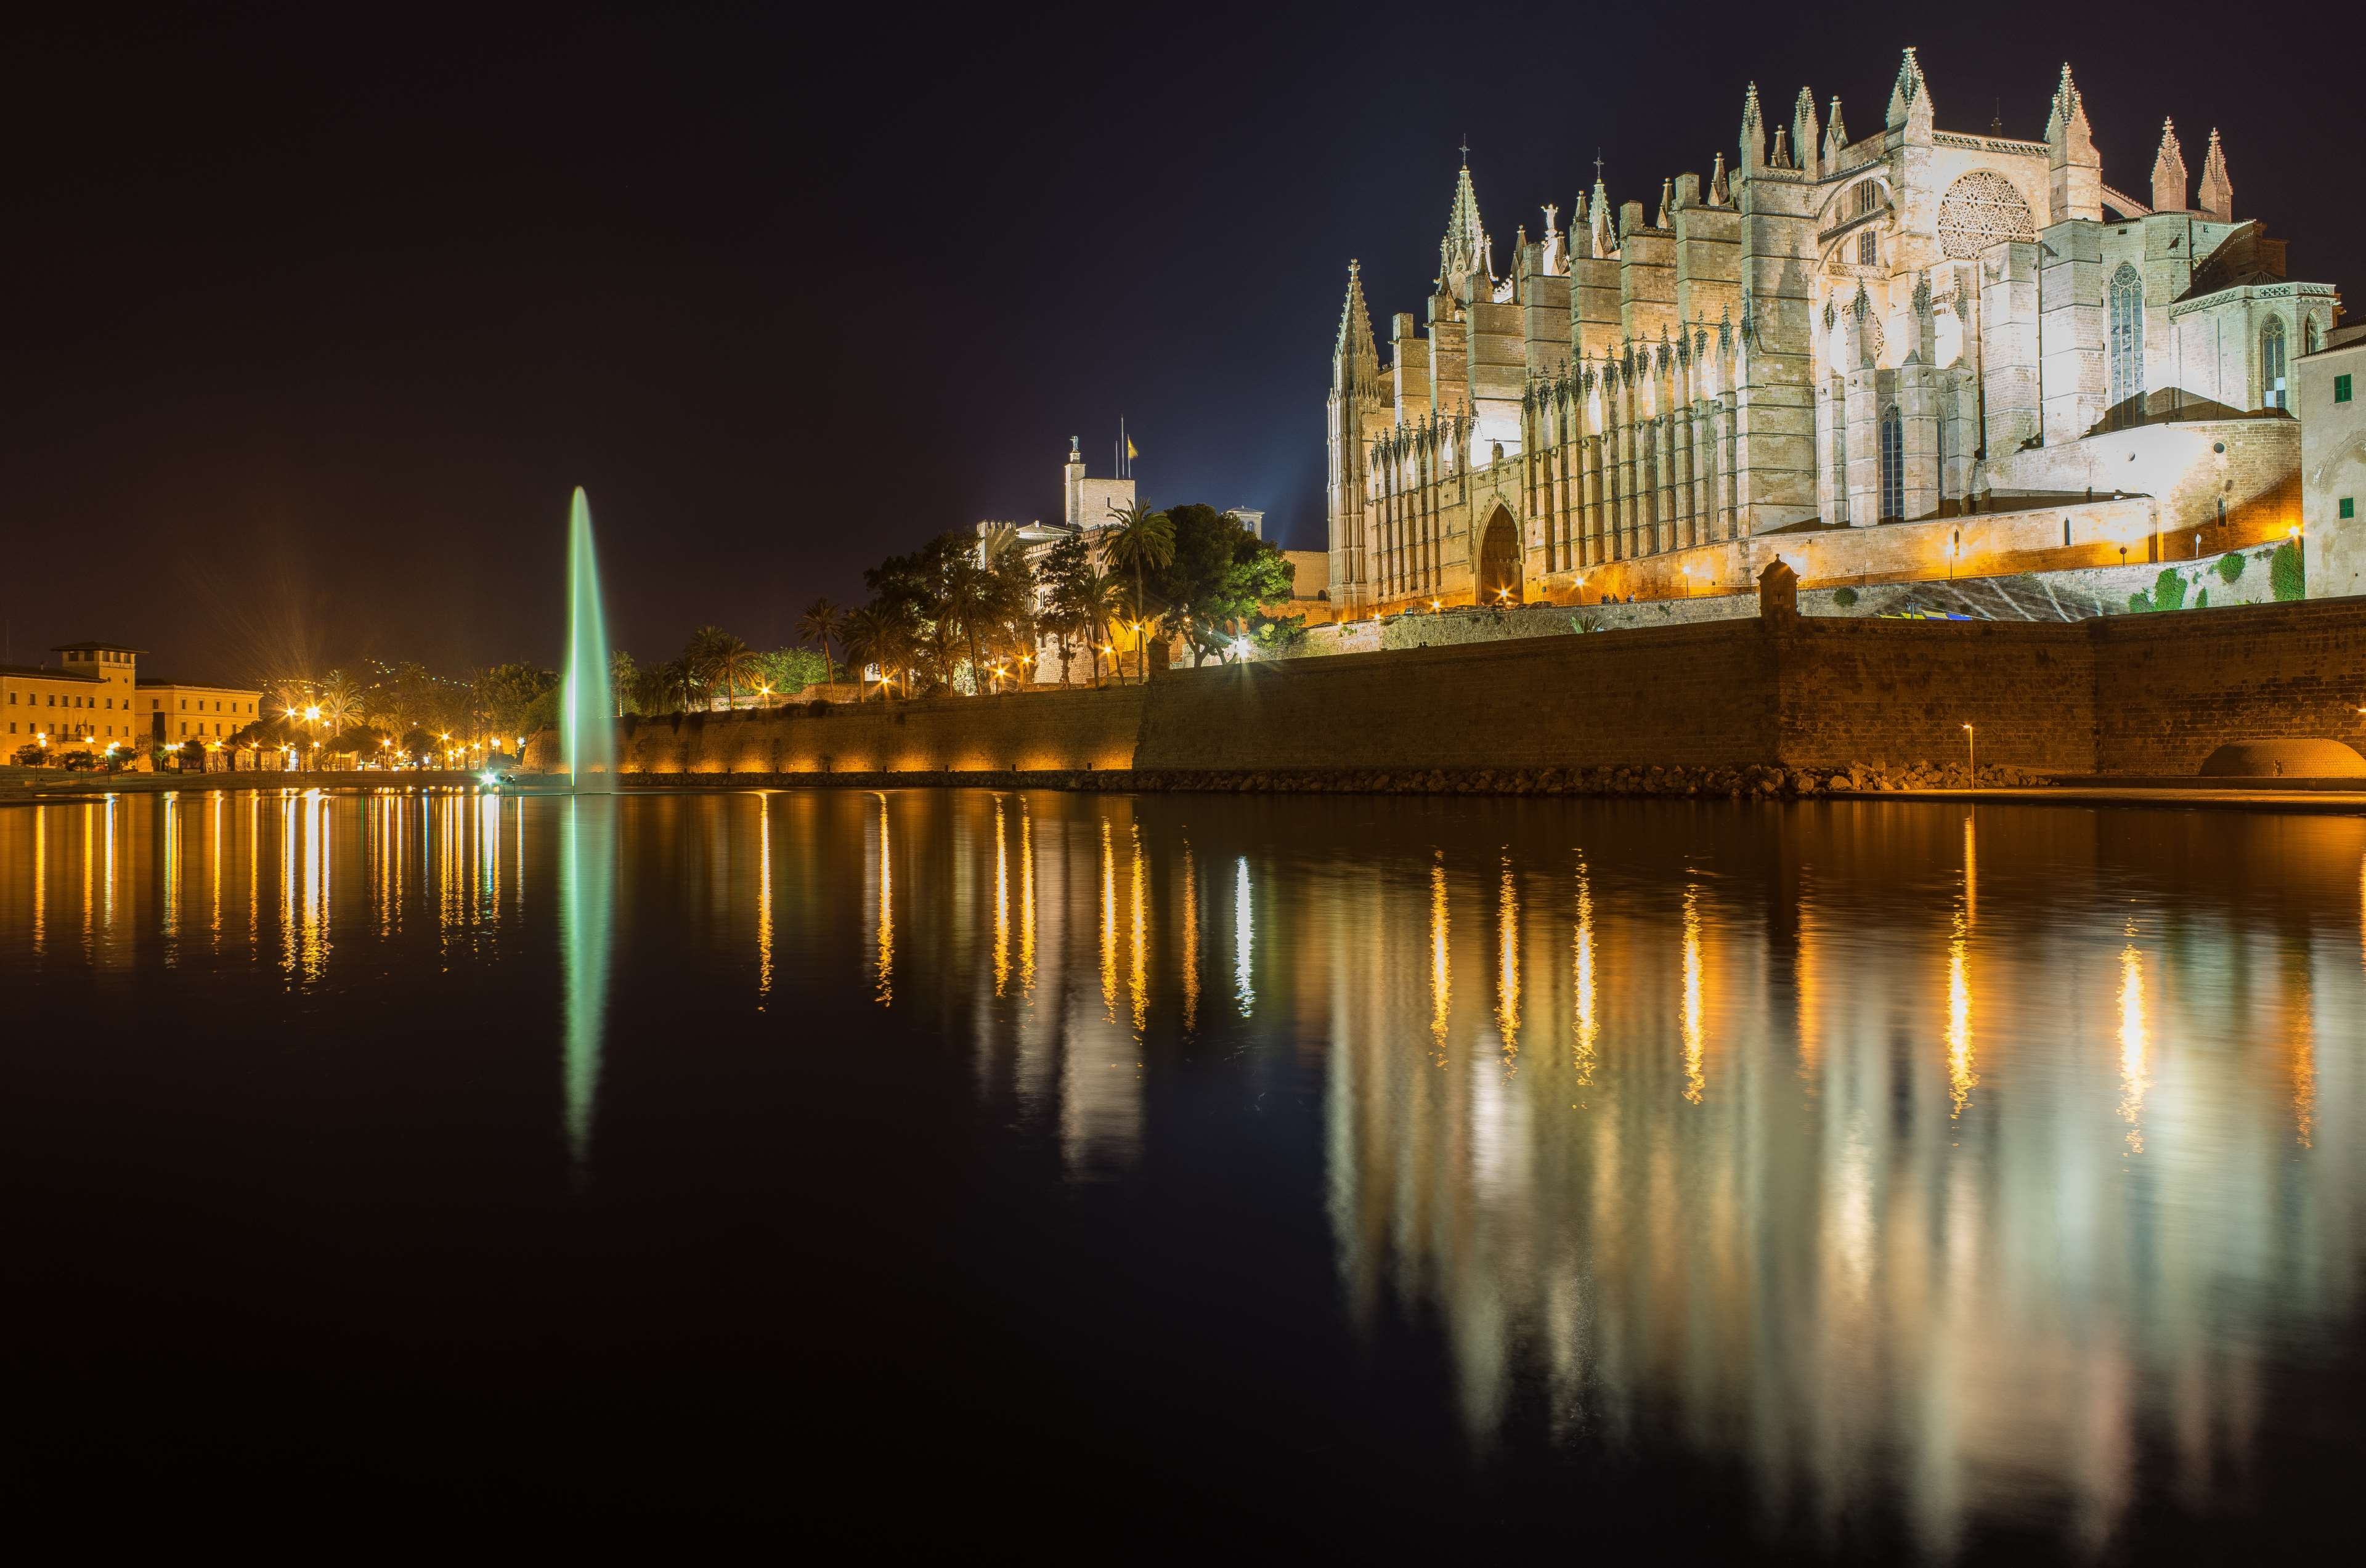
(1963, 1157)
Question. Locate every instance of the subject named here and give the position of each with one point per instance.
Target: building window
(1867, 249)
(2271, 364)
(2308, 336)
(2341, 388)
(2349, 508)
(1893, 464)
(1865, 199)
(2127, 346)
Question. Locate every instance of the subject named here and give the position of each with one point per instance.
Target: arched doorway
(1499, 560)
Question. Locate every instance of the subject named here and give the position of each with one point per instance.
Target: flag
(1130, 453)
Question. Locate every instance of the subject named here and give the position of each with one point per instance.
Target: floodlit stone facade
(2331, 403)
(1834, 332)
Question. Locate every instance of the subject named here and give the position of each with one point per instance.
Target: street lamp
(1972, 754)
(1955, 548)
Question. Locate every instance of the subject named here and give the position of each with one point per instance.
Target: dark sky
(319, 312)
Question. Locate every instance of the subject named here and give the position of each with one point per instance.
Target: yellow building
(179, 712)
(92, 699)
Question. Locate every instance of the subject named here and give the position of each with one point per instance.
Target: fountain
(587, 890)
(587, 852)
(587, 734)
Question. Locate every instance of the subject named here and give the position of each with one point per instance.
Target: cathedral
(1969, 337)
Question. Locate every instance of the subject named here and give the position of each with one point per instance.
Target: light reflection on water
(1959, 1156)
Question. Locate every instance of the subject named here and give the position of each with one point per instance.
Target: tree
(820, 625)
(1139, 542)
(339, 703)
(788, 671)
(1219, 578)
(1067, 577)
(1105, 603)
(968, 601)
(867, 643)
(624, 681)
(507, 697)
(723, 662)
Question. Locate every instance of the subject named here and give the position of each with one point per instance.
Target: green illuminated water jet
(587, 732)
(587, 884)
(587, 850)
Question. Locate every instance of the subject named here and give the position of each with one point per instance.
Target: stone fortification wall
(1899, 691)
(2169, 697)
(2145, 695)
(1024, 731)
(1693, 695)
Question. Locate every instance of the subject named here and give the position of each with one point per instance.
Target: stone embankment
(1806, 701)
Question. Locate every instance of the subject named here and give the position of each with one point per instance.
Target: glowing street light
(1972, 754)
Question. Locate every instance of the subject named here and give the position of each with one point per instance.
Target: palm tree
(728, 662)
(339, 704)
(682, 683)
(869, 640)
(1104, 605)
(820, 625)
(623, 679)
(968, 599)
(1141, 542)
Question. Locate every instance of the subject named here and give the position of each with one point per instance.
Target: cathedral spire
(1910, 95)
(2169, 172)
(1720, 194)
(1355, 358)
(1754, 133)
(1835, 138)
(1667, 196)
(1605, 243)
(1805, 137)
(2217, 191)
(1466, 241)
(2075, 180)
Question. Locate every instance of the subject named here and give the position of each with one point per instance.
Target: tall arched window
(2271, 364)
(1893, 463)
(1865, 197)
(1868, 249)
(2310, 341)
(2127, 346)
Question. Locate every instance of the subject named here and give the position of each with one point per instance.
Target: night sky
(319, 312)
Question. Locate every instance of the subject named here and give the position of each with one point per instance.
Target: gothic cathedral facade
(1834, 333)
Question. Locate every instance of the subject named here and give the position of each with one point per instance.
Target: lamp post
(1972, 754)
(1955, 548)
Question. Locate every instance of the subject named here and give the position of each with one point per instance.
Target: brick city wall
(2130, 695)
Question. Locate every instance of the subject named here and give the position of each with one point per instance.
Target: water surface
(1861, 1179)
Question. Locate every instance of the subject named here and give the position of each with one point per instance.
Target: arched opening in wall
(1499, 560)
(2271, 364)
(1893, 464)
